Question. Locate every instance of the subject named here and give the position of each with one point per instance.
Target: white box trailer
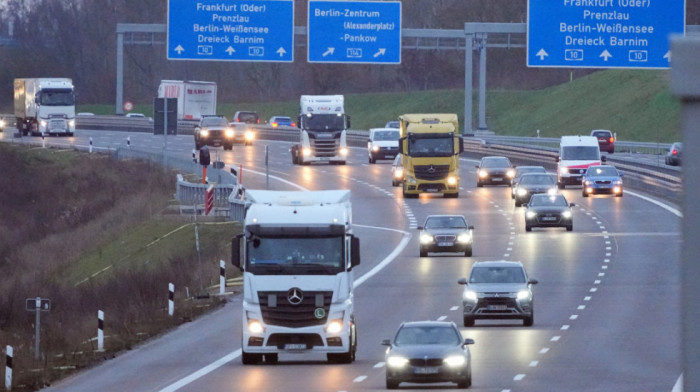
(194, 99)
(45, 106)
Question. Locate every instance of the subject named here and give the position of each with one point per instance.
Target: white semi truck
(194, 99)
(45, 106)
(323, 128)
(297, 255)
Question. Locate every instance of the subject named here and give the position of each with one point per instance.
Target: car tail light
(294, 124)
(675, 152)
(274, 125)
(612, 140)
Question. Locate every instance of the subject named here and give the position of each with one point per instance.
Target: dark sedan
(494, 170)
(602, 180)
(548, 211)
(673, 156)
(519, 172)
(213, 131)
(531, 184)
(428, 352)
(446, 233)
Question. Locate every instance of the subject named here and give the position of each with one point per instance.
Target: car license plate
(549, 218)
(324, 159)
(431, 190)
(295, 346)
(497, 307)
(426, 370)
(446, 243)
(496, 179)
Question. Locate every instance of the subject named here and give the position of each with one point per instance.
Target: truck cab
(323, 127)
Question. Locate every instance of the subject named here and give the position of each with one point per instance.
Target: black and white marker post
(100, 331)
(90, 145)
(171, 297)
(222, 277)
(8, 369)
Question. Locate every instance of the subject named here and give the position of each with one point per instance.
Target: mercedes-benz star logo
(295, 296)
(431, 169)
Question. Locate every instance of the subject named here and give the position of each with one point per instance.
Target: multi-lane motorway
(607, 306)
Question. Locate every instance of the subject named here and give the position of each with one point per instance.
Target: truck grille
(431, 172)
(325, 148)
(57, 124)
(285, 314)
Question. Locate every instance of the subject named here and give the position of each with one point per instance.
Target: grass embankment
(636, 104)
(90, 233)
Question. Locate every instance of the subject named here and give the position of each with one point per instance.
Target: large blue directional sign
(602, 33)
(354, 32)
(233, 30)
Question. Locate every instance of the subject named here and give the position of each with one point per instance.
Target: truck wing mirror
(236, 254)
(603, 158)
(347, 122)
(354, 251)
(401, 140)
(461, 145)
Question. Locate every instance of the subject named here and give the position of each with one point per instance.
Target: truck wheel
(468, 321)
(250, 359)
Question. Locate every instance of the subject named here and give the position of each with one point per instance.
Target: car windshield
(446, 222)
(392, 124)
(386, 135)
(536, 179)
(247, 117)
(580, 153)
(525, 170)
(497, 275)
(431, 147)
(495, 163)
(214, 122)
(601, 171)
(601, 134)
(421, 335)
(282, 119)
(547, 201)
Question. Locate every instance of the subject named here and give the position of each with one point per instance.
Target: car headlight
(306, 152)
(375, 148)
(2, 123)
(426, 238)
(335, 326)
(521, 191)
(530, 214)
(566, 214)
(523, 294)
(204, 133)
(483, 173)
(469, 295)
(455, 361)
(617, 182)
(552, 191)
(587, 182)
(396, 361)
(451, 180)
(563, 170)
(344, 151)
(254, 326)
(249, 135)
(464, 238)
(510, 173)
(398, 173)
(230, 133)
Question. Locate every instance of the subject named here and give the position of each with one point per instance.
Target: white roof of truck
(297, 198)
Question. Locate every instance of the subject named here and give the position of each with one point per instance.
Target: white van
(383, 143)
(576, 154)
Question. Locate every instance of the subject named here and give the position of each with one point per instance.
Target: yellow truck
(430, 148)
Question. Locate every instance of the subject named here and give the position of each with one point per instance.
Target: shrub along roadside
(94, 236)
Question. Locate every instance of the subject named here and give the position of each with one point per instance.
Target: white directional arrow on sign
(230, 50)
(667, 56)
(281, 51)
(381, 52)
(179, 49)
(605, 55)
(328, 52)
(541, 54)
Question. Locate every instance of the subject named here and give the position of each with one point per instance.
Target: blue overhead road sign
(354, 32)
(231, 30)
(602, 33)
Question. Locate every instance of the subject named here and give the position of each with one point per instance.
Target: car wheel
(250, 359)
(468, 321)
(468, 252)
(584, 193)
(619, 194)
(391, 384)
(271, 358)
(528, 228)
(372, 160)
(518, 203)
(451, 195)
(393, 183)
(561, 185)
(466, 383)
(528, 321)
(570, 227)
(479, 184)
(423, 252)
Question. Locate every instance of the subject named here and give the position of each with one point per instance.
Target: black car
(446, 233)
(533, 183)
(213, 131)
(494, 170)
(545, 210)
(519, 171)
(428, 352)
(673, 156)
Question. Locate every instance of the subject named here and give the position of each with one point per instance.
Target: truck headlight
(455, 361)
(523, 294)
(2, 123)
(464, 238)
(204, 133)
(344, 151)
(255, 327)
(469, 295)
(451, 180)
(71, 123)
(335, 326)
(410, 180)
(396, 361)
(426, 238)
(306, 152)
(43, 123)
(229, 133)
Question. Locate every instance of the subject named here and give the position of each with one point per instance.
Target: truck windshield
(431, 147)
(296, 256)
(56, 97)
(580, 153)
(323, 122)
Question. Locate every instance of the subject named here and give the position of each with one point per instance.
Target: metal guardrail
(191, 197)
